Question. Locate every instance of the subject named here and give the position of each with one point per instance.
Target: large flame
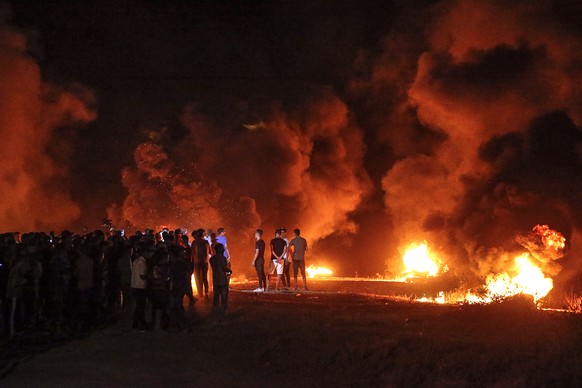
(313, 272)
(528, 279)
(524, 275)
(417, 261)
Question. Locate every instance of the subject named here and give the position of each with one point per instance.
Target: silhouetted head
(219, 248)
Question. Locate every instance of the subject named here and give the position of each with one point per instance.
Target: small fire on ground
(313, 272)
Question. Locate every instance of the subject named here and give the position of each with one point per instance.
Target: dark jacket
(180, 274)
(220, 270)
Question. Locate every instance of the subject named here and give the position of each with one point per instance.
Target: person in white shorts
(278, 250)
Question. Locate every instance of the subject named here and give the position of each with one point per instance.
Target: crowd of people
(70, 283)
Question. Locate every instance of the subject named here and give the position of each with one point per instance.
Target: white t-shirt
(286, 252)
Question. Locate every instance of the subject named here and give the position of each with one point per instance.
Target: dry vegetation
(573, 302)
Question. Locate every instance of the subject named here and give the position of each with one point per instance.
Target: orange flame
(528, 279)
(313, 272)
(525, 276)
(417, 261)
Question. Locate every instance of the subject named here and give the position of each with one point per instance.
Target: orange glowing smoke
(313, 272)
(550, 238)
(34, 181)
(418, 261)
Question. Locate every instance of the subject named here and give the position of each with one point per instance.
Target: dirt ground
(325, 338)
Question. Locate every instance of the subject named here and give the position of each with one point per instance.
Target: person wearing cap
(278, 249)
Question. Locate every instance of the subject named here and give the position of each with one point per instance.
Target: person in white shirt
(286, 261)
(139, 272)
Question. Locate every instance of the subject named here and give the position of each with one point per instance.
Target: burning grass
(573, 302)
(526, 274)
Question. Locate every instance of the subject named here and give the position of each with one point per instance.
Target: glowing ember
(417, 261)
(313, 272)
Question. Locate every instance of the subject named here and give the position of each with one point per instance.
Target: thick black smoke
(489, 82)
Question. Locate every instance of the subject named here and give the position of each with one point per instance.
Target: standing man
(201, 254)
(278, 249)
(299, 245)
(186, 254)
(139, 273)
(220, 275)
(221, 239)
(286, 261)
(259, 261)
(208, 237)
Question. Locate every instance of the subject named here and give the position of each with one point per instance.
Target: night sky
(369, 124)
(146, 60)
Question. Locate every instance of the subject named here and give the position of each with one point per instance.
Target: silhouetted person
(201, 253)
(160, 292)
(139, 271)
(180, 274)
(22, 289)
(286, 261)
(221, 239)
(220, 275)
(124, 270)
(186, 255)
(278, 249)
(84, 269)
(259, 260)
(299, 246)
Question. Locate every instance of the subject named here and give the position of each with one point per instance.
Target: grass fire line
(524, 275)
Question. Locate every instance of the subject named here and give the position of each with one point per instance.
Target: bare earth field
(325, 338)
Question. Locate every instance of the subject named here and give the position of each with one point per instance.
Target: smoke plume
(501, 83)
(34, 191)
(298, 168)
